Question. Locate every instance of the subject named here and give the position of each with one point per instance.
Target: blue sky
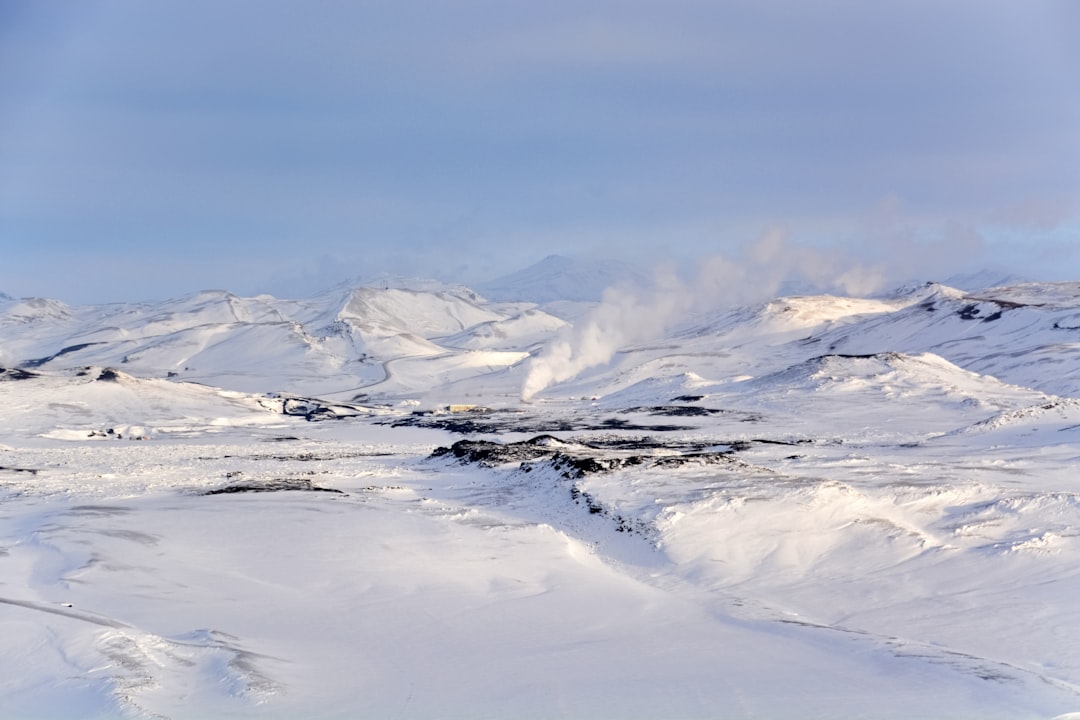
(149, 149)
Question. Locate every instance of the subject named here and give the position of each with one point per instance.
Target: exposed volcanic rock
(576, 460)
(275, 485)
(16, 374)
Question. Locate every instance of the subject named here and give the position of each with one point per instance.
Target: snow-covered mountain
(982, 279)
(330, 344)
(341, 505)
(366, 338)
(558, 278)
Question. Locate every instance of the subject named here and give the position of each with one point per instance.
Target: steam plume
(624, 316)
(627, 315)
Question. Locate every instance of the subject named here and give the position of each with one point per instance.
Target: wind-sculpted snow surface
(813, 507)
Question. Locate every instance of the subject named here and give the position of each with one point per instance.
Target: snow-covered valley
(815, 507)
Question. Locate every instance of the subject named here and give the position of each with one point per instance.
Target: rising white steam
(624, 316)
(763, 266)
(632, 315)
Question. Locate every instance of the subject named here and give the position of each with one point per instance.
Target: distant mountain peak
(390, 281)
(925, 291)
(558, 277)
(983, 279)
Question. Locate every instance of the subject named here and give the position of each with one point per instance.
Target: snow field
(817, 507)
(420, 594)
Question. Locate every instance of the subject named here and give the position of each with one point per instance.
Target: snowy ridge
(895, 376)
(1062, 414)
(104, 403)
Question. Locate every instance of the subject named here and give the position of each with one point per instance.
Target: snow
(818, 507)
